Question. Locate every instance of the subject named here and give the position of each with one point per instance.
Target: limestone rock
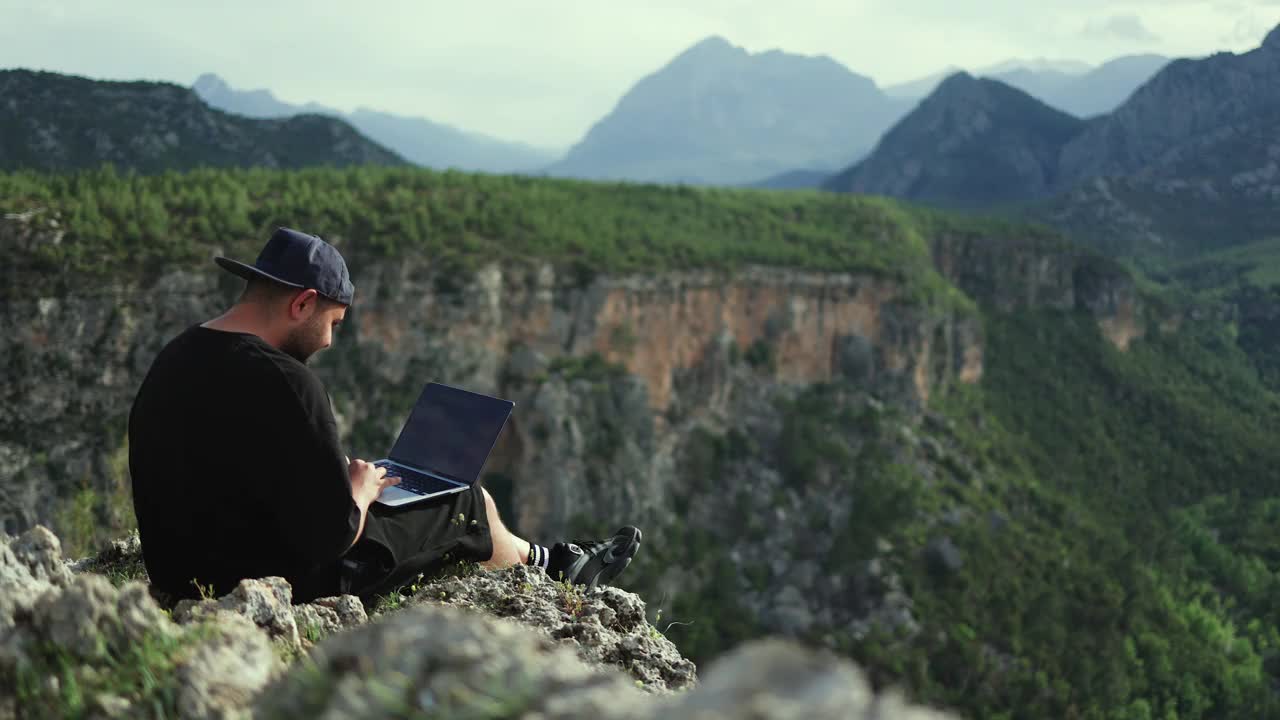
(18, 589)
(943, 555)
(605, 626)
(781, 680)
(224, 674)
(72, 619)
(443, 662)
(93, 630)
(265, 601)
(554, 652)
(40, 551)
(327, 616)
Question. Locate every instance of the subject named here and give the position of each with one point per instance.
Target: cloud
(1120, 27)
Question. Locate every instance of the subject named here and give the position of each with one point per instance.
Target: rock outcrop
(74, 643)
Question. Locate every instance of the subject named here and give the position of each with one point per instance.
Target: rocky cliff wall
(74, 359)
(678, 402)
(672, 346)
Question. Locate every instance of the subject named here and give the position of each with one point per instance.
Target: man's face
(315, 333)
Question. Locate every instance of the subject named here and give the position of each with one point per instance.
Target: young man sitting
(237, 471)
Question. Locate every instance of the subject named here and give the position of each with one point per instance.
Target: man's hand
(367, 482)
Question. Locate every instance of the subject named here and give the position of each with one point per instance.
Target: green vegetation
(1098, 589)
(591, 367)
(1115, 512)
(51, 682)
(121, 225)
(91, 518)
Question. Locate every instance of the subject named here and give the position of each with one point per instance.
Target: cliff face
(76, 360)
(682, 402)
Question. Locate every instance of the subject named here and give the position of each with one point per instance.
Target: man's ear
(303, 305)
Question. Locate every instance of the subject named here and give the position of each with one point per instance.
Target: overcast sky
(543, 72)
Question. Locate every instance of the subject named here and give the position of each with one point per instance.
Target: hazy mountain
(718, 114)
(1040, 65)
(1068, 85)
(419, 140)
(443, 146)
(252, 103)
(973, 142)
(922, 87)
(50, 121)
(1095, 92)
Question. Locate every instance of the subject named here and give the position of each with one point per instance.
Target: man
(237, 471)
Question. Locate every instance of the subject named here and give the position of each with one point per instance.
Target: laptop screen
(450, 432)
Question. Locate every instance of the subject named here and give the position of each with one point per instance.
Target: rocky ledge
(86, 639)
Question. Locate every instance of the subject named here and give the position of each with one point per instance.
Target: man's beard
(304, 342)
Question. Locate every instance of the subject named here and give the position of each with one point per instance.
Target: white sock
(539, 556)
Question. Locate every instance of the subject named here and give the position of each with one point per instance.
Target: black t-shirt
(236, 468)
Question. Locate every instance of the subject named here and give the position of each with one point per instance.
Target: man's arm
(367, 483)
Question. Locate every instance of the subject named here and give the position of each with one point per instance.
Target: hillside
(973, 142)
(418, 140)
(1179, 116)
(717, 114)
(978, 460)
(61, 122)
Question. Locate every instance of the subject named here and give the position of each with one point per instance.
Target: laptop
(444, 445)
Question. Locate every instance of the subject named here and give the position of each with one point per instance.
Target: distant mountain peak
(962, 85)
(712, 47)
(210, 82)
(958, 80)
(713, 42)
(719, 114)
(1037, 64)
(972, 141)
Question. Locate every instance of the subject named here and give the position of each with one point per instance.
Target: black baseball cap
(298, 260)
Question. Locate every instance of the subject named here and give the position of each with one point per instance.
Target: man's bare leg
(508, 549)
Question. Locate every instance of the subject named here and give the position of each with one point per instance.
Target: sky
(544, 72)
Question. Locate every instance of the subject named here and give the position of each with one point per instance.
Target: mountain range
(1190, 158)
(50, 121)
(720, 114)
(717, 114)
(418, 140)
(1071, 86)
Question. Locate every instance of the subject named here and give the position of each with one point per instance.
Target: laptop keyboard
(416, 482)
